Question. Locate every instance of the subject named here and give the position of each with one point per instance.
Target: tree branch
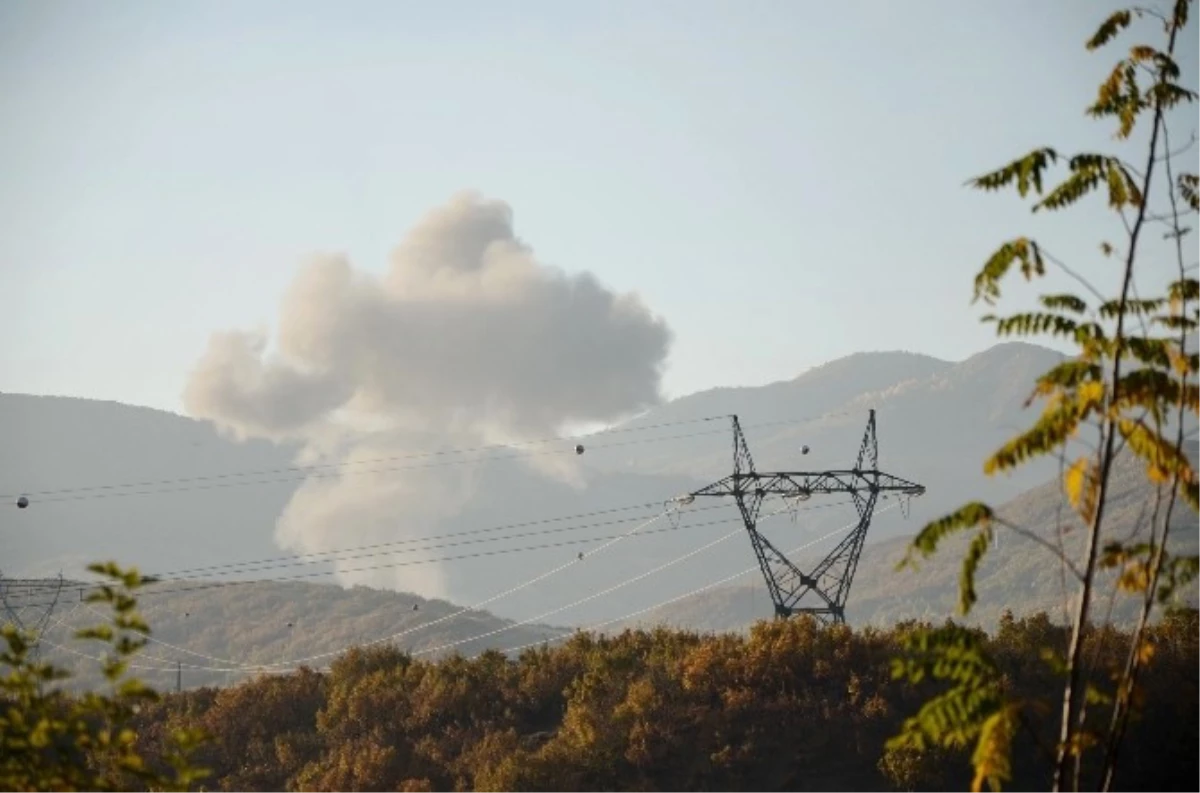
(1033, 537)
(1057, 262)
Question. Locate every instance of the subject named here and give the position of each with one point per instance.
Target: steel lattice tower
(828, 583)
(29, 603)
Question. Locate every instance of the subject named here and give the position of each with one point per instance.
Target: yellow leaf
(1074, 479)
(1145, 652)
(993, 750)
(1091, 393)
(1135, 577)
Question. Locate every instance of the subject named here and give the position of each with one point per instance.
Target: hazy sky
(781, 182)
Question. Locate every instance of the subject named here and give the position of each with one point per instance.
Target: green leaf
(1114, 308)
(1034, 323)
(1188, 185)
(1178, 572)
(1066, 376)
(1176, 322)
(1184, 290)
(967, 710)
(1154, 352)
(1170, 95)
(1022, 250)
(100, 632)
(926, 542)
(1087, 172)
(1058, 422)
(1026, 172)
(1094, 696)
(1153, 389)
(1064, 302)
(1109, 29)
(967, 596)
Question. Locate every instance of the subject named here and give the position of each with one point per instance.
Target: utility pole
(829, 581)
(178, 676)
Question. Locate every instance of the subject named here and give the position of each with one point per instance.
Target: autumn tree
(50, 740)
(1130, 387)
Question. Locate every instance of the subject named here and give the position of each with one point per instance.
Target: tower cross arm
(804, 484)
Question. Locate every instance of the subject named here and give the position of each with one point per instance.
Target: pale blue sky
(781, 181)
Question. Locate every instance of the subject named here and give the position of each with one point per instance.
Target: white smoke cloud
(467, 339)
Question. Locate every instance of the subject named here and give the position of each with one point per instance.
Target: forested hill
(216, 635)
(791, 707)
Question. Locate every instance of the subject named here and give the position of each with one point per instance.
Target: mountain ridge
(936, 422)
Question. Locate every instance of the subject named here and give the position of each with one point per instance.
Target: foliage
(1133, 381)
(792, 706)
(53, 741)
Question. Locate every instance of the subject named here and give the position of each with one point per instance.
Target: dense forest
(793, 706)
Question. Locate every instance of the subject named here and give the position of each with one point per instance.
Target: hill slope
(937, 420)
(60, 443)
(211, 632)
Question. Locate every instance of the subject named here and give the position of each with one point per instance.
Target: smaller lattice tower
(29, 603)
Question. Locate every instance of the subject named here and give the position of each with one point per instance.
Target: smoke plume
(466, 339)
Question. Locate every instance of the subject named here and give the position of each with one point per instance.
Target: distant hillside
(210, 631)
(208, 514)
(60, 443)
(1017, 575)
(937, 420)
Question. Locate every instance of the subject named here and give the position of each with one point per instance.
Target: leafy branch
(1133, 372)
(54, 741)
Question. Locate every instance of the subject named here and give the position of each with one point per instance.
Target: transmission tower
(827, 585)
(29, 602)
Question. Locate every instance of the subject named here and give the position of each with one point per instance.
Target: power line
(339, 473)
(323, 466)
(335, 469)
(493, 598)
(247, 567)
(289, 560)
(409, 541)
(292, 664)
(693, 592)
(601, 593)
(416, 562)
(285, 562)
(372, 554)
(266, 667)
